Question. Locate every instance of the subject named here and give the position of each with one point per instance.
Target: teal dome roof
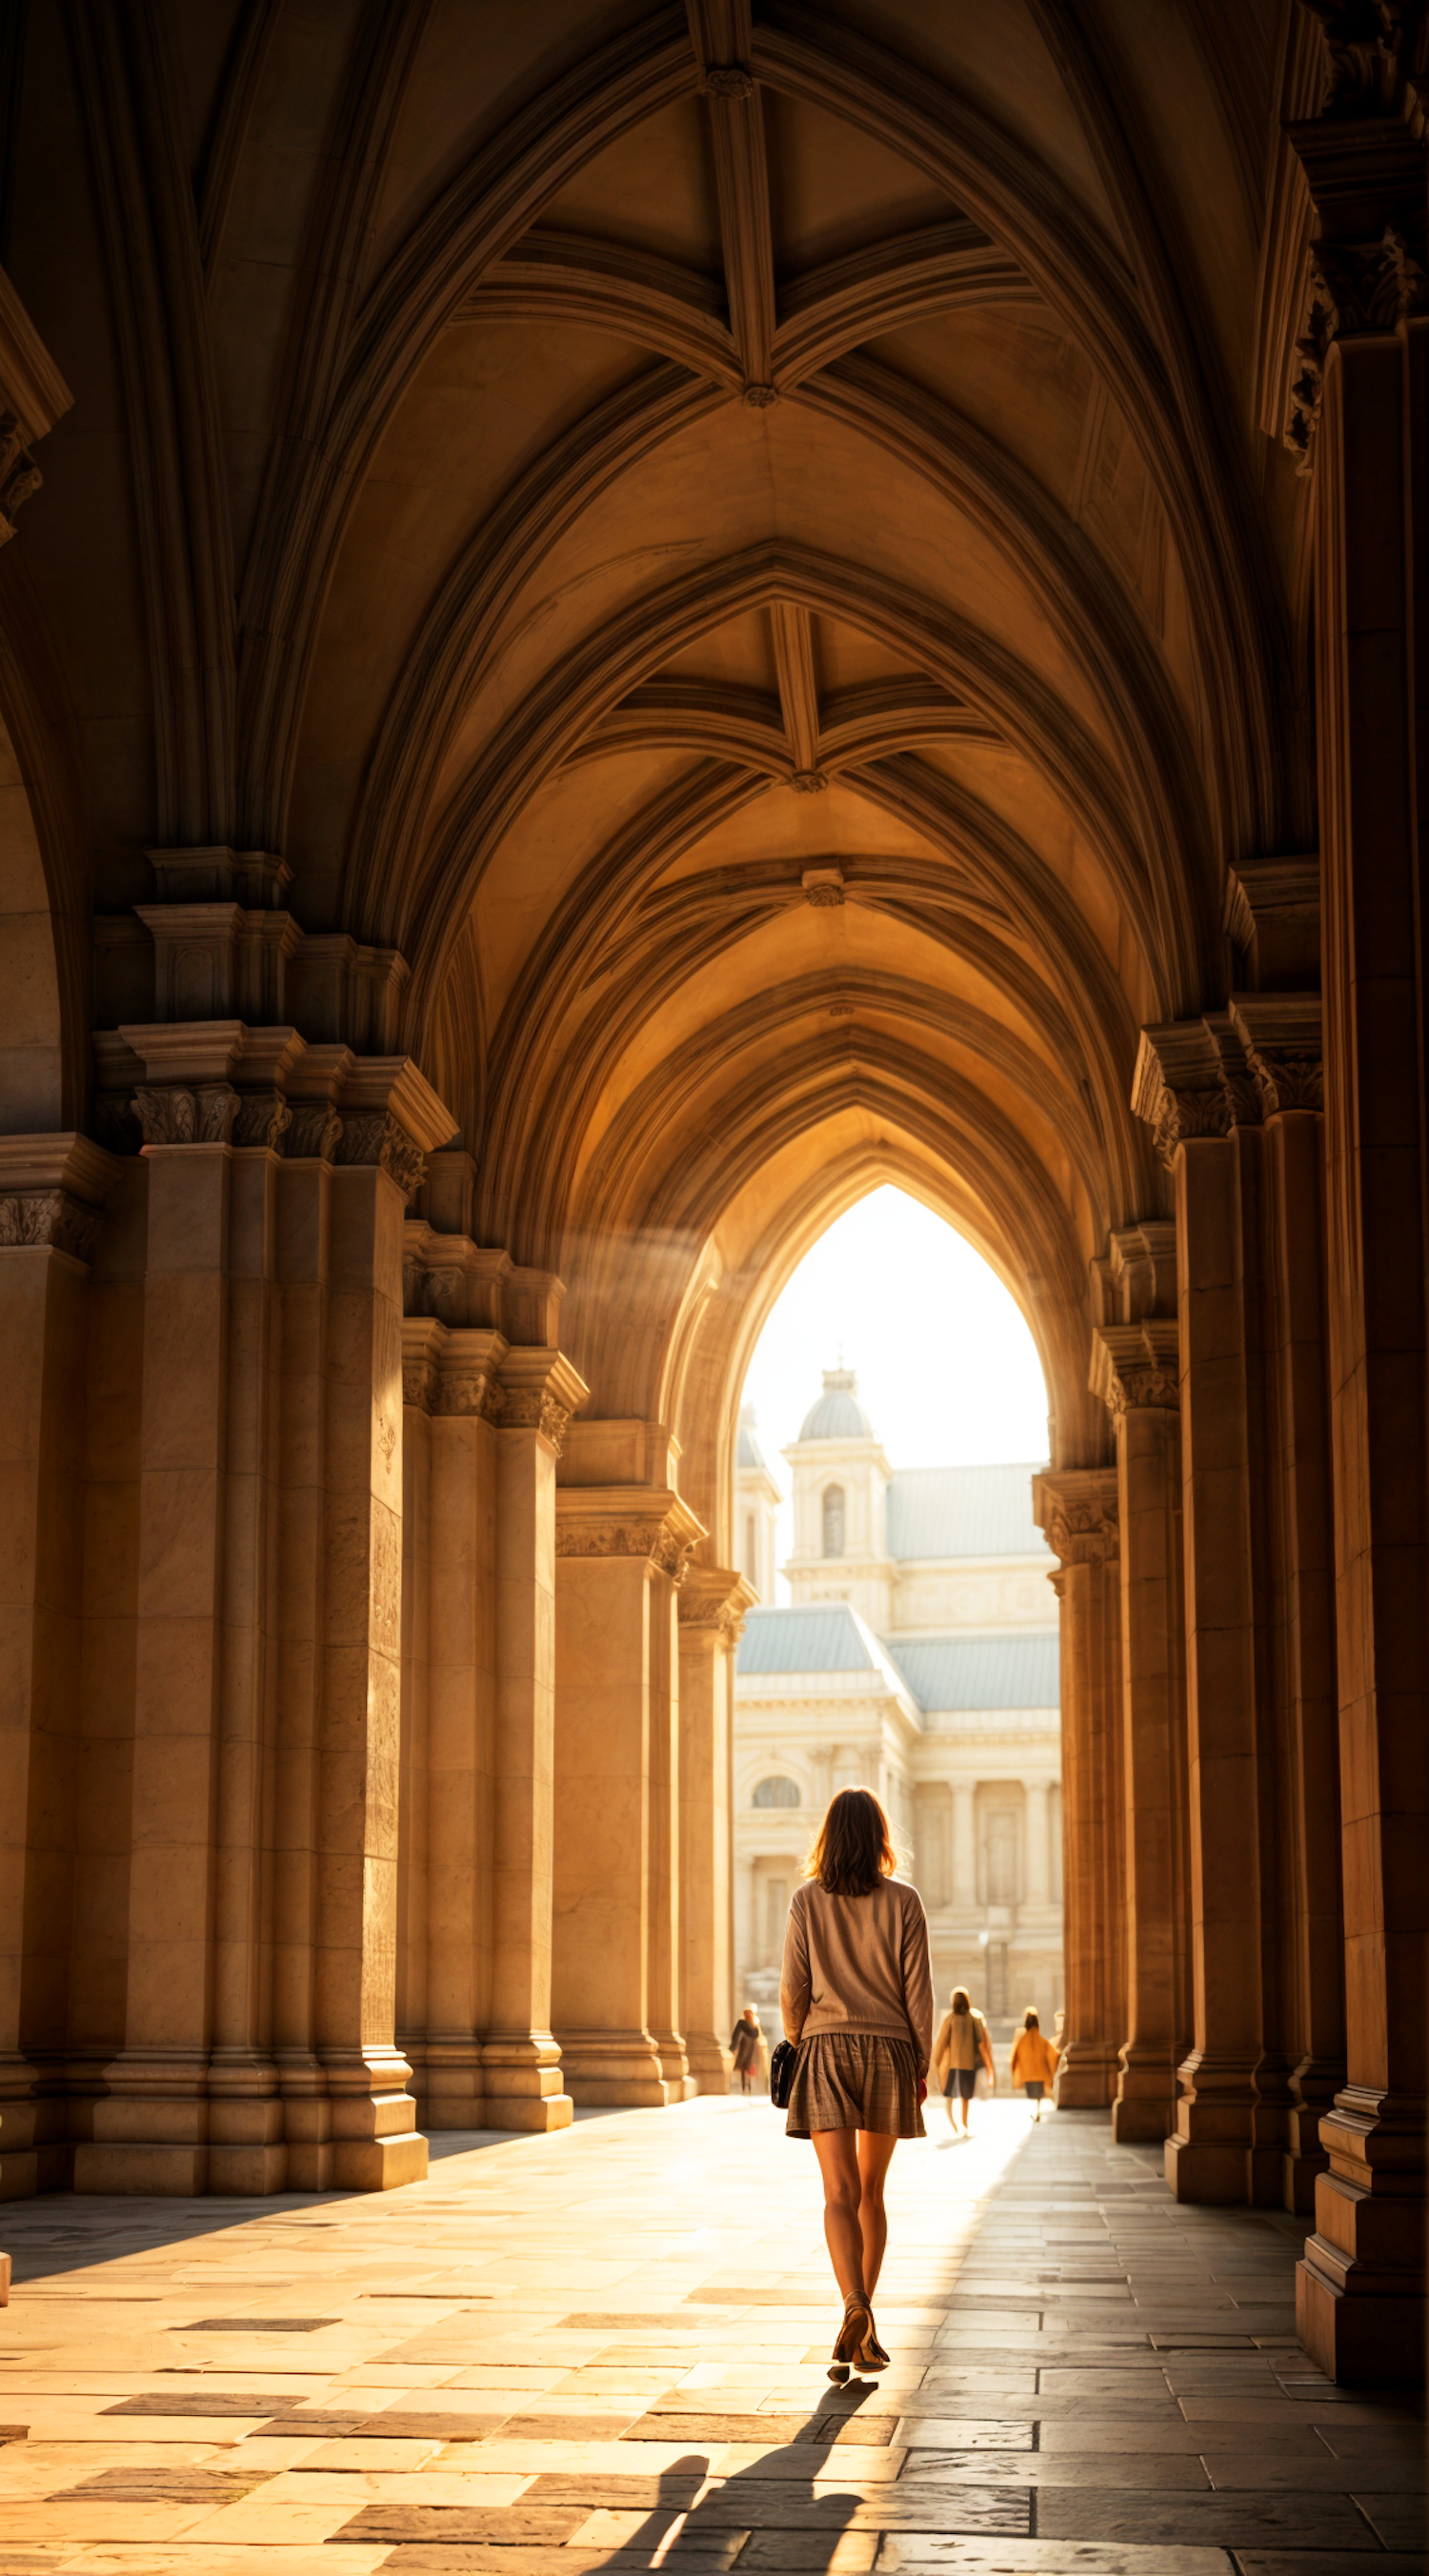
(838, 1415)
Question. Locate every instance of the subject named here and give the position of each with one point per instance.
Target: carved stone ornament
(20, 476)
(172, 1114)
(759, 398)
(728, 80)
(1133, 1390)
(808, 782)
(1287, 1081)
(472, 1394)
(530, 1409)
(1350, 287)
(1367, 46)
(314, 1132)
(1083, 1531)
(627, 1538)
(375, 1136)
(419, 1384)
(700, 1610)
(52, 1218)
(264, 1118)
(824, 896)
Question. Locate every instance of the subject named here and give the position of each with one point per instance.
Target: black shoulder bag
(781, 2074)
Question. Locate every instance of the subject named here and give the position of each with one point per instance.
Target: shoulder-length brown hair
(853, 1849)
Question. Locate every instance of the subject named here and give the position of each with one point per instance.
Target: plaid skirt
(853, 2079)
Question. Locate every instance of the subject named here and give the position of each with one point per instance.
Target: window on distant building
(833, 1520)
(776, 1793)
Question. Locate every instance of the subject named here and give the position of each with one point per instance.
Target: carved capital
(726, 1618)
(314, 1132)
(264, 1118)
(627, 1523)
(52, 1218)
(530, 1409)
(1076, 1511)
(20, 476)
(174, 1114)
(1281, 1034)
(374, 1136)
(1192, 1081)
(1136, 1367)
(539, 1390)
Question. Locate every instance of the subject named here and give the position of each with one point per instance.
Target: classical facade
(616, 624)
(918, 1657)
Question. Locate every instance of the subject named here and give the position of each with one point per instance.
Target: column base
(1362, 2289)
(4, 2280)
(1144, 2111)
(1087, 2076)
(524, 2083)
(534, 2113)
(710, 2065)
(616, 2068)
(1220, 2150)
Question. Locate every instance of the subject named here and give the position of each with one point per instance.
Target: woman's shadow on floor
(789, 2503)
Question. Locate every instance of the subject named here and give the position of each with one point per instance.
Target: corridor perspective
(606, 2347)
(624, 623)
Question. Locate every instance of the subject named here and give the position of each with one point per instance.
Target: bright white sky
(947, 1370)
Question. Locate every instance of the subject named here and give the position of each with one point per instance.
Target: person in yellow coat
(1034, 2061)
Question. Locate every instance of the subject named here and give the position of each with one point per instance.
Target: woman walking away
(744, 2043)
(1034, 2060)
(857, 2000)
(962, 2046)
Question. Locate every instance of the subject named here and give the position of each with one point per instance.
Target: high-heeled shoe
(871, 2355)
(851, 2337)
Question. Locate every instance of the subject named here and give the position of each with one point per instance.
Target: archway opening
(904, 1635)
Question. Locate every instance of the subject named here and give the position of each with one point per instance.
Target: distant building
(918, 1656)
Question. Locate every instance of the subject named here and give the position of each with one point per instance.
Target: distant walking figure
(1034, 2061)
(962, 2045)
(744, 2041)
(857, 1999)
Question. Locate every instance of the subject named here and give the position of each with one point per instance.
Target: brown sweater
(859, 1963)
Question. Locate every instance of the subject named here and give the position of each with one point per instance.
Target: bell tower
(841, 1480)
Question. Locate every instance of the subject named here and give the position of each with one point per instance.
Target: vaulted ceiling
(757, 555)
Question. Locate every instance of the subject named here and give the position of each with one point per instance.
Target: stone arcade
(615, 625)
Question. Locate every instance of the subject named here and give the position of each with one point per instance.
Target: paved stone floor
(606, 2349)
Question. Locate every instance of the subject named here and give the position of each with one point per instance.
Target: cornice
(715, 1599)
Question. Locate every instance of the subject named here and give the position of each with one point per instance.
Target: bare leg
(843, 2194)
(875, 2154)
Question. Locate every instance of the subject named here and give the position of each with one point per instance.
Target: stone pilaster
(1135, 1370)
(52, 1196)
(1076, 1510)
(525, 2089)
(1362, 2286)
(711, 1606)
(621, 1551)
(1194, 1087)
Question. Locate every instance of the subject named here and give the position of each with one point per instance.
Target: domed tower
(841, 1478)
(757, 1500)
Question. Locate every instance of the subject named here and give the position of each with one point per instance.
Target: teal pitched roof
(829, 1639)
(962, 1512)
(974, 1672)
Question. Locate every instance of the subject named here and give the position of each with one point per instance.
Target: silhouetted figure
(1034, 2061)
(745, 2041)
(962, 2048)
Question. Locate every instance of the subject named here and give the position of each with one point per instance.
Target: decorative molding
(52, 1192)
(539, 1391)
(314, 1132)
(823, 884)
(809, 782)
(528, 1409)
(1364, 165)
(627, 1522)
(264, 1118)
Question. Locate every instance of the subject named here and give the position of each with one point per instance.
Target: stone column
(1076, 1510)
(1281, 1033)
(52, 1194)
(1136, 1372)
(618, 1548)
(712, 1602)
(524, 2088)
(1193, 1086)
(449, 1378)
(1362, 2285)
(964, 1845)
